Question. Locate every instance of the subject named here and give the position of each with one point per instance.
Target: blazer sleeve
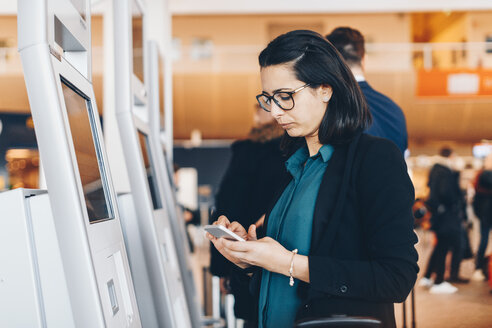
(231, 200)
(385, 196)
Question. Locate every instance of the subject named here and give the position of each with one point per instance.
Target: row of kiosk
(78, 254)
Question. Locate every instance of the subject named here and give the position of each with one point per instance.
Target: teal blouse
(290, 223)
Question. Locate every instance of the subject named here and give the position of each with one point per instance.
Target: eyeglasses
(283, 99)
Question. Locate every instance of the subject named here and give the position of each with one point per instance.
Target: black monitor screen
(154, 191)
(88, 154)
(137, 36)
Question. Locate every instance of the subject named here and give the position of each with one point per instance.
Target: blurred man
(388, 118)
(447, 205)
(482, 206)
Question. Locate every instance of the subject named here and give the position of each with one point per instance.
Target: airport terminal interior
(122, 124)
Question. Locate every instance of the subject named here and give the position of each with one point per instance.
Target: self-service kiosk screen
(137, 36)
(154, 191)
(88, 154)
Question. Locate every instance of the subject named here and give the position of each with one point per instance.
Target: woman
(339, 235)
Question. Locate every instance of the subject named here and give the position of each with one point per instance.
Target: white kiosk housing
(148, 234)
(55, 48)
(33, 288)
(165, 184)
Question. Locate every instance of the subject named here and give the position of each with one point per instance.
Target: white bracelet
(291, 269)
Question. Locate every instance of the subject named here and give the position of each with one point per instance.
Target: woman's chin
(293, 133)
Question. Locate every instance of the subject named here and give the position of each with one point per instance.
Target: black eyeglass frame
(272, 97)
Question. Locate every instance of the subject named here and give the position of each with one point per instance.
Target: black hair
(445, 151)
(349, 42)
(315, 61)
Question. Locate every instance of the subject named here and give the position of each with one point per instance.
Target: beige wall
(479, 27)
(217, 95)
(13, 93)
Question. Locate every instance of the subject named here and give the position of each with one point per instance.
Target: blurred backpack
(421, 214)
(482, 201)
(485, 181)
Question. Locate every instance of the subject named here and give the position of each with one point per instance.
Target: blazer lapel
(332, 194)
(328, 194)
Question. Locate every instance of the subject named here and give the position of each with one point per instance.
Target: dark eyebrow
(277, 90)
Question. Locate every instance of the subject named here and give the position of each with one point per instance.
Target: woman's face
(310, 104)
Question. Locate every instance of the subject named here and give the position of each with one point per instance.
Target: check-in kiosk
(164, 178)
(33, 287)
(148, 234)
(55, 48)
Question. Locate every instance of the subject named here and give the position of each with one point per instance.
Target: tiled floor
(470, 307)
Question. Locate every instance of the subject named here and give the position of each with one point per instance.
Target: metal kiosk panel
(149, 238)
(33, 288)
(164, 176)
(54, 43)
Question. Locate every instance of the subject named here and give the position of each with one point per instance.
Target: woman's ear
(325, 92)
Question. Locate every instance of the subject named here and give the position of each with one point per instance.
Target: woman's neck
(313, 144)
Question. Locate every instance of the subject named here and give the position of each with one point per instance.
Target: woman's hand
(238, 229)
(266, 253)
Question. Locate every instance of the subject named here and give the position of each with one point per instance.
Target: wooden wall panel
(13, 94)
(194, 105)
(219, 105)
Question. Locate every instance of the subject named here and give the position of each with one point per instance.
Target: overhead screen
(82, 127)
(154, 191)
(137, 37)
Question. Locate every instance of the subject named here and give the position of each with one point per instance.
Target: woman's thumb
(252, 232)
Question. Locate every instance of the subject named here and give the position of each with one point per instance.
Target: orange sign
(454, 83)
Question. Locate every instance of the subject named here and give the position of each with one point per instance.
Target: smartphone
(219, 231)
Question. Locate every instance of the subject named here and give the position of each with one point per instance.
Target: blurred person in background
(448, 207)
(482, 206)
(245, 191)
(191, 217)
(338, 236)
(388, 118)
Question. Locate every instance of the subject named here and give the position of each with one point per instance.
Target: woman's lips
(285, 125)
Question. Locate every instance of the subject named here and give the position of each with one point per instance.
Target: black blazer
(362, 257)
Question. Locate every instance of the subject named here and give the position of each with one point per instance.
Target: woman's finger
(210, 236)
(252, 232)
(238, 229)
(236, 226)
(223, 221)
(237, 246)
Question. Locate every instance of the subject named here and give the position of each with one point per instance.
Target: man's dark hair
(445, 151)
(349, 42)
(315, 61)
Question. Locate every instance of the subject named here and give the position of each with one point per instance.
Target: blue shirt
(290, 223)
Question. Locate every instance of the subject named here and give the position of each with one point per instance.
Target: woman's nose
(276, 111)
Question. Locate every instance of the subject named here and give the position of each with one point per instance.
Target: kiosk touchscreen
(158, 282)
(54, 44)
